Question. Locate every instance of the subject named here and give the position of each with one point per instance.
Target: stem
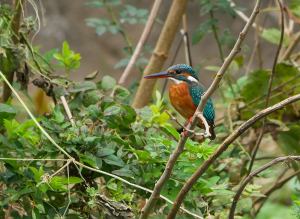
(141, 42)
(216, 37)
(240, 190)
(116, 22)
(269, 91)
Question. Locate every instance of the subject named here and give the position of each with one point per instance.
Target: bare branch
(141, 42)
(273, 188)
(262, 132)
(204, 99)
(294, 42)
(243, 185)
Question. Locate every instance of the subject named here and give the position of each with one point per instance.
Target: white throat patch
(175, 80)
(192, 79)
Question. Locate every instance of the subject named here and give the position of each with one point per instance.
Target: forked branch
(240, 190)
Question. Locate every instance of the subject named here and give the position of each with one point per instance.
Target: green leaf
(7, 112)
(65, 49)
(223, 191)
(58, 56)
(295, 7)
(75, 65)
(100, 30)
(91, 76)
(113, 110)
(103, 152)
(173, 132)
(82, 86)
(146, 113)
(88, 160)
(124, 172)
(294, 198)
(60, 91)
(91, 97)
(212, 68)
(108, 83)
(114, 160)
(273, 36)
(121, 93)
(72, 180)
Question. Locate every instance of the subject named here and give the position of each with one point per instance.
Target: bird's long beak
(163, 74)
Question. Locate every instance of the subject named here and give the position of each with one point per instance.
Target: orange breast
(181, 99)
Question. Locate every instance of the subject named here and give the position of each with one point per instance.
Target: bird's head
(177, 73)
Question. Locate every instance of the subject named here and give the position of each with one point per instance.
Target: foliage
(136, 144)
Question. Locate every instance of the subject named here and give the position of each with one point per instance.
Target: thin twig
(68, 111)
(141, 43)
(294, 42)
(216, 36)
(262, 132)
(183, 31)
(243, 185)
(185, 128)
(274, 187)
(274, 89)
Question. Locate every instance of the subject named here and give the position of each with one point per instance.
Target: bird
(185, 94)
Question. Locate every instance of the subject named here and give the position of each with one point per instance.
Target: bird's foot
(184, 132)
(191, 120)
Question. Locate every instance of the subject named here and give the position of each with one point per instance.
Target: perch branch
(141, 43)
(237, 47)
(243, 185)
(185, 128)
(201, 170)
(262, 132)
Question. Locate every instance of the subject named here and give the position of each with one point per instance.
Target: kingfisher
(185, 94)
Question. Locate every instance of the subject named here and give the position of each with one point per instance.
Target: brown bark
(161, 52)
(16, 22)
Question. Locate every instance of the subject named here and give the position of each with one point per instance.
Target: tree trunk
(161, 52)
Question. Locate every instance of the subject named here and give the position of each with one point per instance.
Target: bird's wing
(196, 91)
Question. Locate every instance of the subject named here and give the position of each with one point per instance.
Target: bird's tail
(212, 132)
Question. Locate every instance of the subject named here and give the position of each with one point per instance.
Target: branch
(201, 170)
(262, 132)
(141, 43)
(204, 99)
(294, 42)
(183, 31)
(276, 186)
(240, 190)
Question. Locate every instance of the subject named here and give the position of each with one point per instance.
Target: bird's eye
(178, 71)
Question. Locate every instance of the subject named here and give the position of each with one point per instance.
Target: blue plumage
(196, 91)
